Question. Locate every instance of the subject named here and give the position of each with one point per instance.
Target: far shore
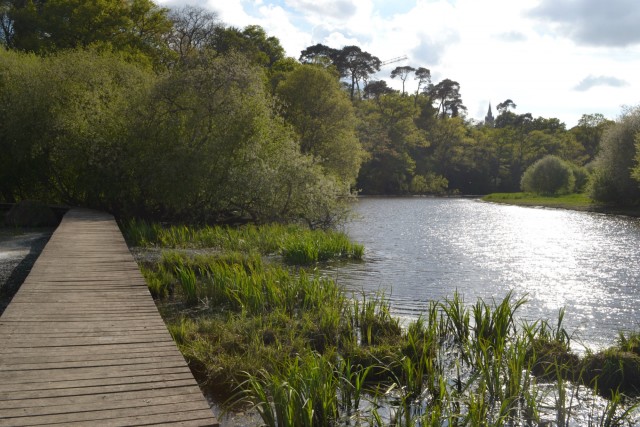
(576, 202)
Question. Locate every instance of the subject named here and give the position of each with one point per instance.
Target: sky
(553, 58)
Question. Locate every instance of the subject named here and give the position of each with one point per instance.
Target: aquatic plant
(298, 349)
(296, 244)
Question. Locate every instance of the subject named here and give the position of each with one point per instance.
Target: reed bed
(296, 244)
(301, 352)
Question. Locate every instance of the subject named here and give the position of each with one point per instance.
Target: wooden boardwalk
(82, 342)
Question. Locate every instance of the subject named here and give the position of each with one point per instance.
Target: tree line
(420, 142)
(170, 114)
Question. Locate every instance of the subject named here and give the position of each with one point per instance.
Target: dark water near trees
(422, 249)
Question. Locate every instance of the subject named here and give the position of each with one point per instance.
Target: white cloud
(230, 12)
(495, 49)
(594, 81)
(336, 9)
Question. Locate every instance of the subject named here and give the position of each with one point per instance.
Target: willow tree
(213, 149)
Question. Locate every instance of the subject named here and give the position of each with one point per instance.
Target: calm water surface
(422, 249)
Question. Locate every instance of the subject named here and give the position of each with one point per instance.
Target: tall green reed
(296, 244)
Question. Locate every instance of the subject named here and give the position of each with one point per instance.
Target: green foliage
(549, 176)
(589, 133)
(613, 370)
(635, 172)
(389, 134)
(301, 353)
(430, 183)
(23, 153)
(447, 95)
(613, 181)
(323, 118)
(296, 244)
(312, 248)
(201, 143)
(135, 27)
(581, 176)
(212, 144)
(252, 41)
(67, 123)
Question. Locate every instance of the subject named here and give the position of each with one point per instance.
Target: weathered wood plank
(104, 404)
(82, 341)
(144, 395)
(100, 415)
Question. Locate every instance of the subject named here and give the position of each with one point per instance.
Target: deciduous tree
(45, 26)
(252, 41)
(589, 133)
(615, 162)
(323, 118)
(193, 30)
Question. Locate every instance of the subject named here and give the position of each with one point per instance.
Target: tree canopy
(39, 26)
(141, 110)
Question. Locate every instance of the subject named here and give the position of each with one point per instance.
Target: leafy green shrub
(430, 183)
(581, 175)
(615, 163)
(602, 187)
(548, 176)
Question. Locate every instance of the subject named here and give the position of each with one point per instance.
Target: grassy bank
(567, 201)
(265, 329)
(578, 202)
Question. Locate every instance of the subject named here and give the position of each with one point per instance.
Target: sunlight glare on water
(422, 249)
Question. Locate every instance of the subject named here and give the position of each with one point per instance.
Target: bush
(203, 143)
(548, 176)
(581, 175)
(602, 187)
(429, 183)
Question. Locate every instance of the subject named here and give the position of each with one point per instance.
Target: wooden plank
(78, 386)
(105, 404)
(83, 414)
(142, 386)
(104, 367)
(82, 341)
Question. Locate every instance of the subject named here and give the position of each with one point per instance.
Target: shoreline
(559, 203)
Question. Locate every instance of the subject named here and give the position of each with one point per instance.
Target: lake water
(422, 249)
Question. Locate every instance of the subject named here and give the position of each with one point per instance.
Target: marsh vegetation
(265, 331)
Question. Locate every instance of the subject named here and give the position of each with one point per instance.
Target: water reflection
(420, 249)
